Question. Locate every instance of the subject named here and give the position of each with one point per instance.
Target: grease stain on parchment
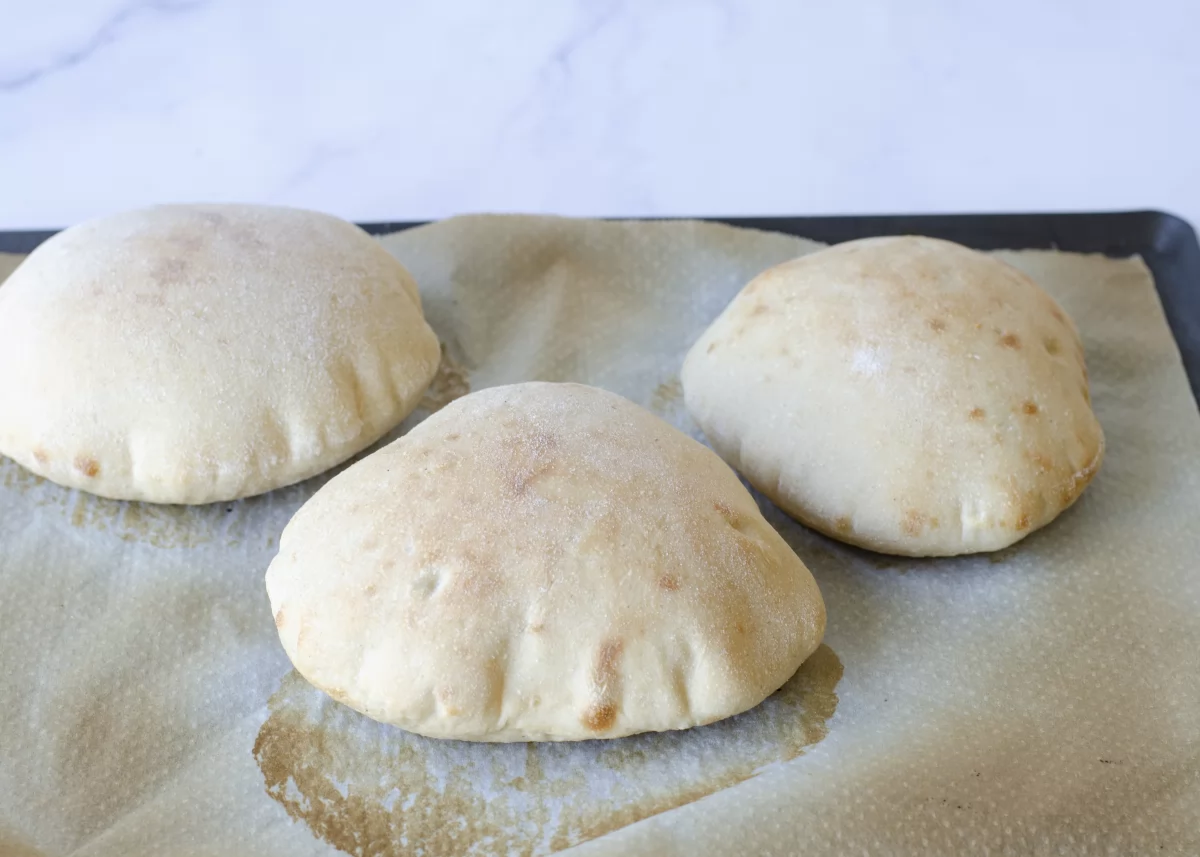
(667, 397)
(667, 402)
(373, 790)
(667, 394)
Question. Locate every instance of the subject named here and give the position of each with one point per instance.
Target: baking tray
(1169, 247)
(1165, 242)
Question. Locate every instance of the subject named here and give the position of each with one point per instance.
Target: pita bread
(542, 562)
(906, 395)
(196, 353)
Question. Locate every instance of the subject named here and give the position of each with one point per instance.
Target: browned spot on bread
(1010, 340)
(731, 517)
(536, 627)
(913, 522)
(759, 309)
(740, 628)
(668, 583)
(937, 325)
(1087, 394)
(934, 523)
(40, 455)
(87, 465)
(1029, 408)
(1052, 345)
(453, 436)
(712, 346)
(842, 524)
(280, 618)
(338, 694)
(752, 288)
(370, 589)
(599, 717)
(1023, 521)
(1058, 314)
(977, 413)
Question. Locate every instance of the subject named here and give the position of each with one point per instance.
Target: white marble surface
(404, 110)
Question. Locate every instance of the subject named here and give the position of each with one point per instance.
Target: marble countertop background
(407, 110)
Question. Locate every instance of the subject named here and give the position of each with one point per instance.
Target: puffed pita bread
(903, 394)
(542, 562)
(196, 353)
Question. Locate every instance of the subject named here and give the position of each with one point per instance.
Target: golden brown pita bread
(542, 562)
(195, 353)
(907, 395)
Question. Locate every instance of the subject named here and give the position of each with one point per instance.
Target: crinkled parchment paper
(1043, 700)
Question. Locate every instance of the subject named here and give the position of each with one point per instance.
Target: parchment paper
(1043, 700)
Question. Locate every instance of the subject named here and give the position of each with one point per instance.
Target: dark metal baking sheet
(1166, 243)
